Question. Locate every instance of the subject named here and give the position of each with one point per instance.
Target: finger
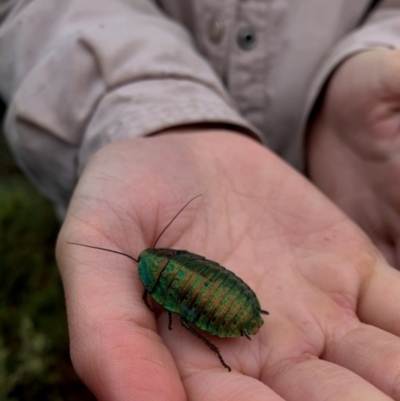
(203, 375)
(312, 379)
(222, 385)
(370, 352)
(114, 345)
(380, 299)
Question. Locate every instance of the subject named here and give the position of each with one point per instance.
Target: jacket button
(246, 38)
(216, 30)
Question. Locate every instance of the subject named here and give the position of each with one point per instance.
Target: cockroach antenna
(180, 211)
(104, 249)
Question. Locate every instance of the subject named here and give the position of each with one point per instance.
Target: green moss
(34, 356)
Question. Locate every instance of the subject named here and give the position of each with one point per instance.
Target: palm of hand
(310, 267)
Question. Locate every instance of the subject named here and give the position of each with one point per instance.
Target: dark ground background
(34, 356)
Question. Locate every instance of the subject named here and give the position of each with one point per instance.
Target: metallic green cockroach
(202, 292)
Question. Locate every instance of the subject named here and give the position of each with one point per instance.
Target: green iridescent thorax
(151, 263)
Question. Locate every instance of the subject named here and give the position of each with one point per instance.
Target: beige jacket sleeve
(79, 74)
(381, 29)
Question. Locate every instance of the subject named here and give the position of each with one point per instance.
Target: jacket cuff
(124, 113)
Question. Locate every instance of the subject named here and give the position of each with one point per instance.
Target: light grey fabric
(80, 74)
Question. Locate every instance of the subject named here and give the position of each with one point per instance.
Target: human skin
(334, 324)
(354, 145)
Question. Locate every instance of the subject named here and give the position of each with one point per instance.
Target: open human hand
(334, 324)
(354, 145)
